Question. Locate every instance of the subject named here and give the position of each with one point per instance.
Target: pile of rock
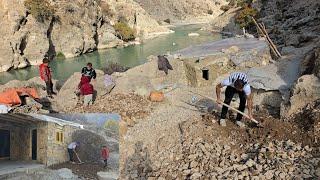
(30, 105)
(198, 160)
(129, 106)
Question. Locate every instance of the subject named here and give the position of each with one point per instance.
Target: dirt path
(90, 170)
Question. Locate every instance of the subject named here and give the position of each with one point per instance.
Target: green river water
(130, 56)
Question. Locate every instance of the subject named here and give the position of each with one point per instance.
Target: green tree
(124, 32)
(112, 125)
(243, 18)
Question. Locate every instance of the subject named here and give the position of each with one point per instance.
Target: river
(130, 56)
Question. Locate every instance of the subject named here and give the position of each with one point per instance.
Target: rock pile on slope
(201, 160)
(129, 106)
(308, 119)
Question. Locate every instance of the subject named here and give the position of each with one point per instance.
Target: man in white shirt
(71, 149)
(236, 83)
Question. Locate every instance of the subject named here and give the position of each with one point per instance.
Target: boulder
(311, 63)
(107, 38)
(136, 80)
(67, 97)
(305, 91)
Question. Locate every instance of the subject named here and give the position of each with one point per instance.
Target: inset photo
(59, 146)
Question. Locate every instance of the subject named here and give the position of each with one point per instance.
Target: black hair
(89, 64)
(239, 84)
(45, 60)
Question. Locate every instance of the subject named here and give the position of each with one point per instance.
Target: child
(105, 155)
(86, 90)
(89, 71)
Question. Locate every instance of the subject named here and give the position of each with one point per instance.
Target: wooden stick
(265, 36)
(78, 157)
(273, 45)
(263, 27)
(232, 108)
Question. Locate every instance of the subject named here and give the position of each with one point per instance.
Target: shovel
(232, 108)
(80, 162)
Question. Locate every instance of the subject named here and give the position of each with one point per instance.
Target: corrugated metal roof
(61, 122)
(30, 119)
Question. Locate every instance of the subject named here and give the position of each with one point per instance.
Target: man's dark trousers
(70, 151)
(49, 87)
(230, 91)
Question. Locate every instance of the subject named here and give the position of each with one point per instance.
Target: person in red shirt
(105, 155)
(86, 90)
(45, 75)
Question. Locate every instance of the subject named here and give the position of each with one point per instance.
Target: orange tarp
(11, 96)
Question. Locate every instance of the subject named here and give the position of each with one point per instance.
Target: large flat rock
(215, 47)
(279, 76)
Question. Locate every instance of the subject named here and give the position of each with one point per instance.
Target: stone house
(37, 138)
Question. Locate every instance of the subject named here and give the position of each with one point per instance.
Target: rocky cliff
(291, 22)
(187, 10)
(77, 27)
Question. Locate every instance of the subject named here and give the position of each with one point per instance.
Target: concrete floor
(9, 167)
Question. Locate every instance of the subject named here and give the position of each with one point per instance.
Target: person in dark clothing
(163, 64)
(45, 75)
(89, 71)
(236, 83)
(71, 150)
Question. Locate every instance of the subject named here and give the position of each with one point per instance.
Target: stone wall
(42, 134)
(216, 65)
(56, 151)
(20, 148)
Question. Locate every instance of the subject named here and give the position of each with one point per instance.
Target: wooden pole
(232, 108)
(272, 44)
(265, 35)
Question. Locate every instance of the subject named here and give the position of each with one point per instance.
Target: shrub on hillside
(243, 18)
(41, 10)
(167, 21)
(225, 8)
(210, 11)
(60, 55)
(124, 32)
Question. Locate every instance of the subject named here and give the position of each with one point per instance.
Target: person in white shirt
(236, 83)
(71, 150)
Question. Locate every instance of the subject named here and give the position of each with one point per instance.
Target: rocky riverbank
(76, 28)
